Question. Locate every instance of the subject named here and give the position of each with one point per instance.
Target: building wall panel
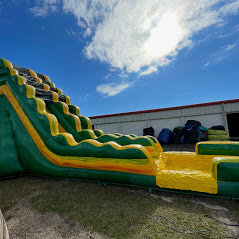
(208, 115)
(159, 124)
(231, 107)
(203, 110)
(134, 127)
(109, 128)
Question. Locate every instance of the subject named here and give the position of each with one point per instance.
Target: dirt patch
(56, 209)
(25, 222)
(166, 199)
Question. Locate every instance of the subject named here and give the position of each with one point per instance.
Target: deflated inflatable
(41, 133)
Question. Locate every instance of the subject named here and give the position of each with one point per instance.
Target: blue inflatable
(165, 136)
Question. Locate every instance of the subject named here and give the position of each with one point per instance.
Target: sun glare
(164, 37)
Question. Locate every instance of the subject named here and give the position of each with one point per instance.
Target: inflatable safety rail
(43, 134)
(3, 228)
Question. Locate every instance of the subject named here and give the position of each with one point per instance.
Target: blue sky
(118, 55)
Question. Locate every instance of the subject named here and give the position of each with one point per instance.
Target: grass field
(107, 212)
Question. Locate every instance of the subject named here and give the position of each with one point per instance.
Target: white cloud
(112, 89)
(149, 71)
(43, 7)
(223, 36)
(89, 12)
(229, 47)
(207, 63)
(213, 60)
(236, 28)
(220, 55)
(107, 76)
(123, 74)
(87, 32)
(133, 35)
(218, 58)
(230, 8)
(71, 33)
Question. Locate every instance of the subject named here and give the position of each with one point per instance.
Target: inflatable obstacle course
(41, 133)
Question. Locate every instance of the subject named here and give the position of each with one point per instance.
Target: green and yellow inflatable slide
(42, 134)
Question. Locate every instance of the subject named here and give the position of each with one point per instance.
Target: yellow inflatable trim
(80, 162)
(7, 63)
(66, 111)
(68, 99)
(54, 124)
(14, 72)
(21, 80)
(227, 159)
(32, 73)
(99, 131)
(79, 115)
(47, 78)
(61, 129)
(215, 142)
(46, 87)
(41, 108)
(55, 95)
(38, 80)
(59, 91)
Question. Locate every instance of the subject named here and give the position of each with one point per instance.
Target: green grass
(115, 211)
(120, 213)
